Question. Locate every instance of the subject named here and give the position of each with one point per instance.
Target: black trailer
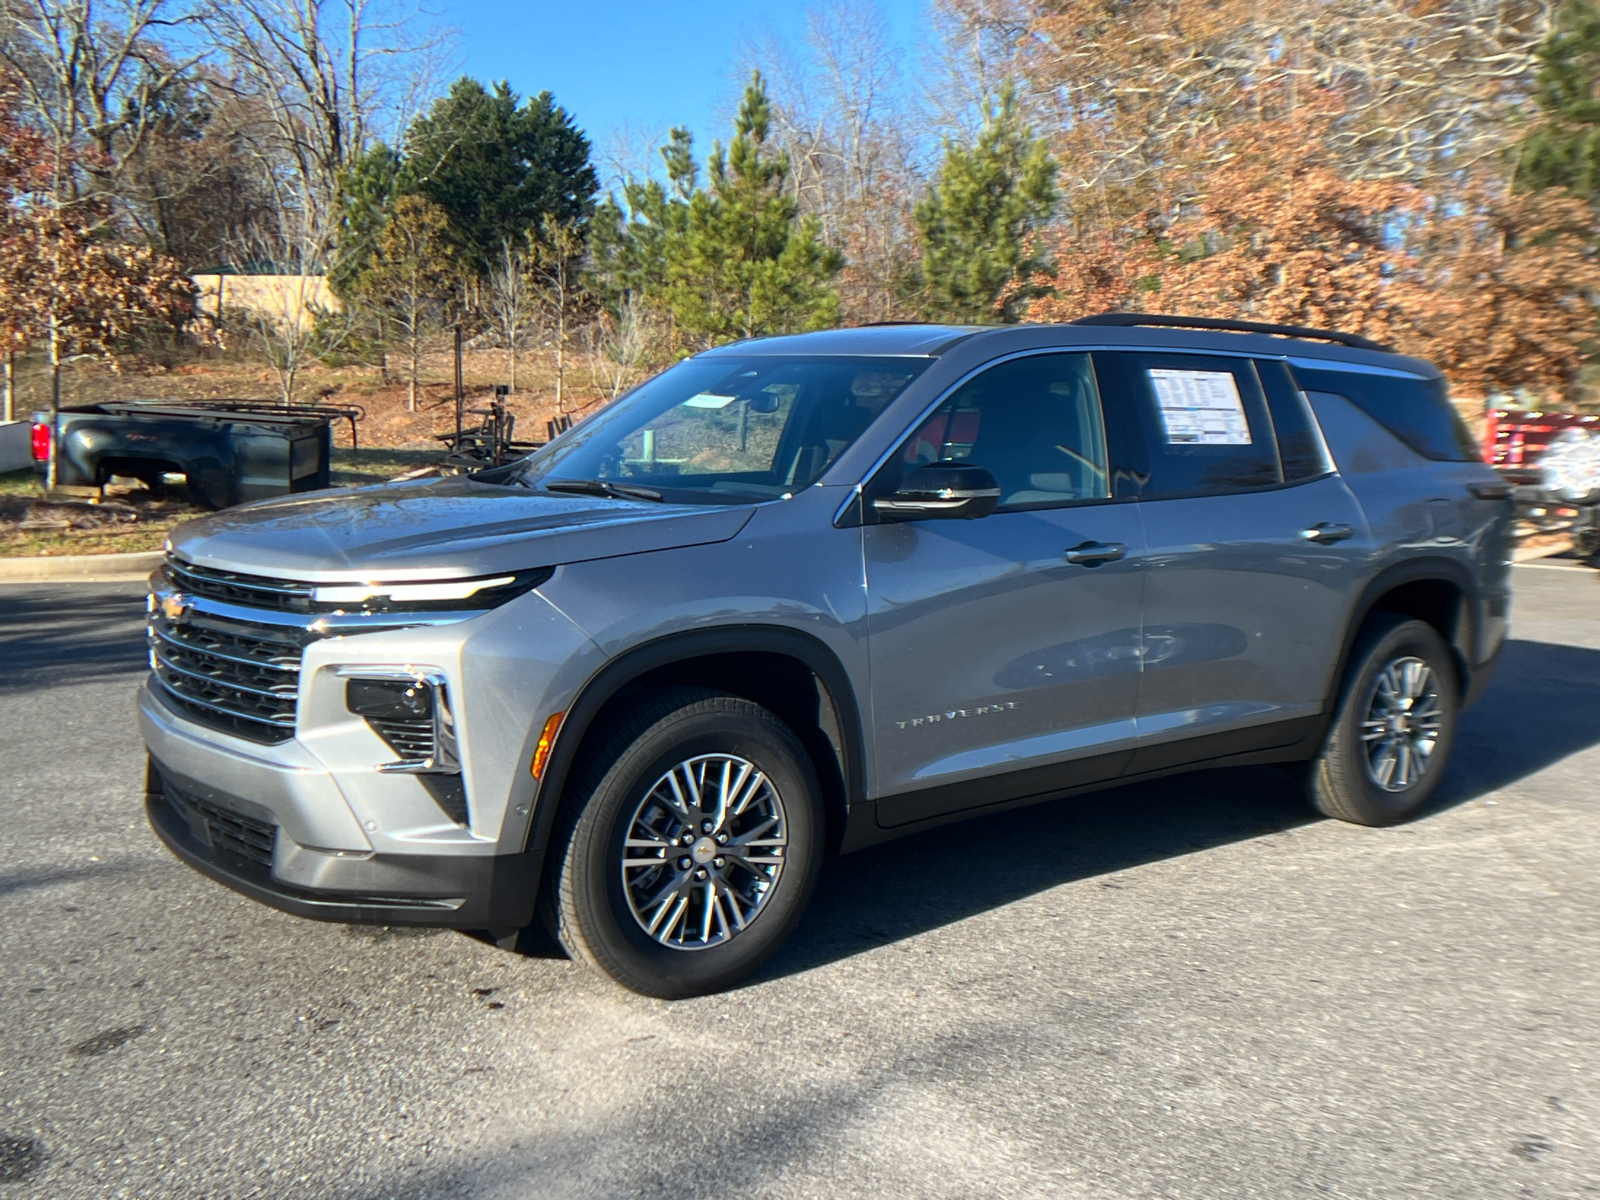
(229, 451)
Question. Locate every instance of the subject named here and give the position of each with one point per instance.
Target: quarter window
(1034, 423)
(1417, 411)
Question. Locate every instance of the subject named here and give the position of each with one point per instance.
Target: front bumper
(273, 824)
(237, 843)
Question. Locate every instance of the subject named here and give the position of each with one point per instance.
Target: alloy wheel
(1402, 723)
(703, 851)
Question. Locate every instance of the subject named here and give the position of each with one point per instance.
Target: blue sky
(637, 64)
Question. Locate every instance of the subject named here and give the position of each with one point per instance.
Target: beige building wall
(285, 298)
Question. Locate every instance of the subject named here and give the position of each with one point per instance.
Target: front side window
(1034, 423)
(724, 429)
(1205, 423)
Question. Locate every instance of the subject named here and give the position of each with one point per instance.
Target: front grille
(220, 664)
(230, 587)
(227, 831)
(234, 676)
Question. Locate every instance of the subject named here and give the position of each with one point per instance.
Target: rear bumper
(236, 843)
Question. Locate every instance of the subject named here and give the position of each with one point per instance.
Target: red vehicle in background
(1552, 461)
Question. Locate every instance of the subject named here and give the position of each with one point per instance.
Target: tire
(1387, 779)
(1587, 542)
(721, 916)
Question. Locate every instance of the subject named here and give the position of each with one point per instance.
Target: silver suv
(803, 594)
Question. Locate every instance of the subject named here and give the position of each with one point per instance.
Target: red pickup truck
(1552, 461)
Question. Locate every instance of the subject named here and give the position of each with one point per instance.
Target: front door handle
(1325, 533)
(1092, 554)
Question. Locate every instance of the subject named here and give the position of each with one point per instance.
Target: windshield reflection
(725, 430)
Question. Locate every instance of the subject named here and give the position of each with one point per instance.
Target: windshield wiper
(601, 487)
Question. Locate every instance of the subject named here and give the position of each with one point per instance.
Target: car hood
(441, 528)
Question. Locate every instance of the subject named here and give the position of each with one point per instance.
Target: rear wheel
(692, 847)
(1392, 734)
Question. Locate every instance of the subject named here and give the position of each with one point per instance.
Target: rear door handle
(1325, 533)
(1092, 554)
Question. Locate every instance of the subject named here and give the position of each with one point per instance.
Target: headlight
(378, 596)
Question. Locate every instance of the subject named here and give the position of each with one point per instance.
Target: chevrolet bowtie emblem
(175, 608)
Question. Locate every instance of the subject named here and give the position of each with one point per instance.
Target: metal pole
(457, 448)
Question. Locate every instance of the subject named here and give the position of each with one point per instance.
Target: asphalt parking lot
(1180, 989)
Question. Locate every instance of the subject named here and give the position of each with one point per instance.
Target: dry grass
(393, 440)
(20, 491)
(31, 544)
(219, 375)
(148, 521)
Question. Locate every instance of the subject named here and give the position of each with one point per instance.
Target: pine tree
(628, 240)
(1565, 150)
(366, 189)
(498, 166)
(978, 222)
(731, 260)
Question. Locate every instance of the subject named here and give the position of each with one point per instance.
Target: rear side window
(1417, 411)
(1204, 422)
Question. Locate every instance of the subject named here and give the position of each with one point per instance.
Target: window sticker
(1200, 408)
(708, 400)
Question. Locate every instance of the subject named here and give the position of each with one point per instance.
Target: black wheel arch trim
(601, 687)
(1462, 640)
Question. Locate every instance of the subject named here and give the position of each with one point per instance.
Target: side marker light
(547, 738)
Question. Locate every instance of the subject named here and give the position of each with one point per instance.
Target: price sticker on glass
(1200, 408)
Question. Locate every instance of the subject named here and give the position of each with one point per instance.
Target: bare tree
(556, 267)
(328, 75)
(845, 116)
(196, 189)
(93, 78)
(511, 303)
(289, 313)
(628, 153)
(975, 47)
(413, 277)
(1421, 93)
(619, 346)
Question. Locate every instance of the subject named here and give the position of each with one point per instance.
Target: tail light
(41, 443)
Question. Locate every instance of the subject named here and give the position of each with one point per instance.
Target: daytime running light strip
(458, 590)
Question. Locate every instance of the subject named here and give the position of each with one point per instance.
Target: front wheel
(1392, 734)
(693, 843)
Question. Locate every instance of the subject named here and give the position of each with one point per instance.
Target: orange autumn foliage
(64, 280)
(1494, 288)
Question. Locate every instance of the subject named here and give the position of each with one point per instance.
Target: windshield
(721, 430)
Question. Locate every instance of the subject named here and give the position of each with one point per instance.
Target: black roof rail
(884, 324)
(1354, 340)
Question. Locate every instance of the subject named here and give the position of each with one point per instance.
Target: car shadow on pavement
(1543, 705)
(67, 634)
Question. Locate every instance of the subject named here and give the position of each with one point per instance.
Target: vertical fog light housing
(410, 710)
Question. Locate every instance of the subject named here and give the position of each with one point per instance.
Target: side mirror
(941, 491)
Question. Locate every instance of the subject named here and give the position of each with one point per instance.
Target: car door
(1004, 651)
(1255, 547)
